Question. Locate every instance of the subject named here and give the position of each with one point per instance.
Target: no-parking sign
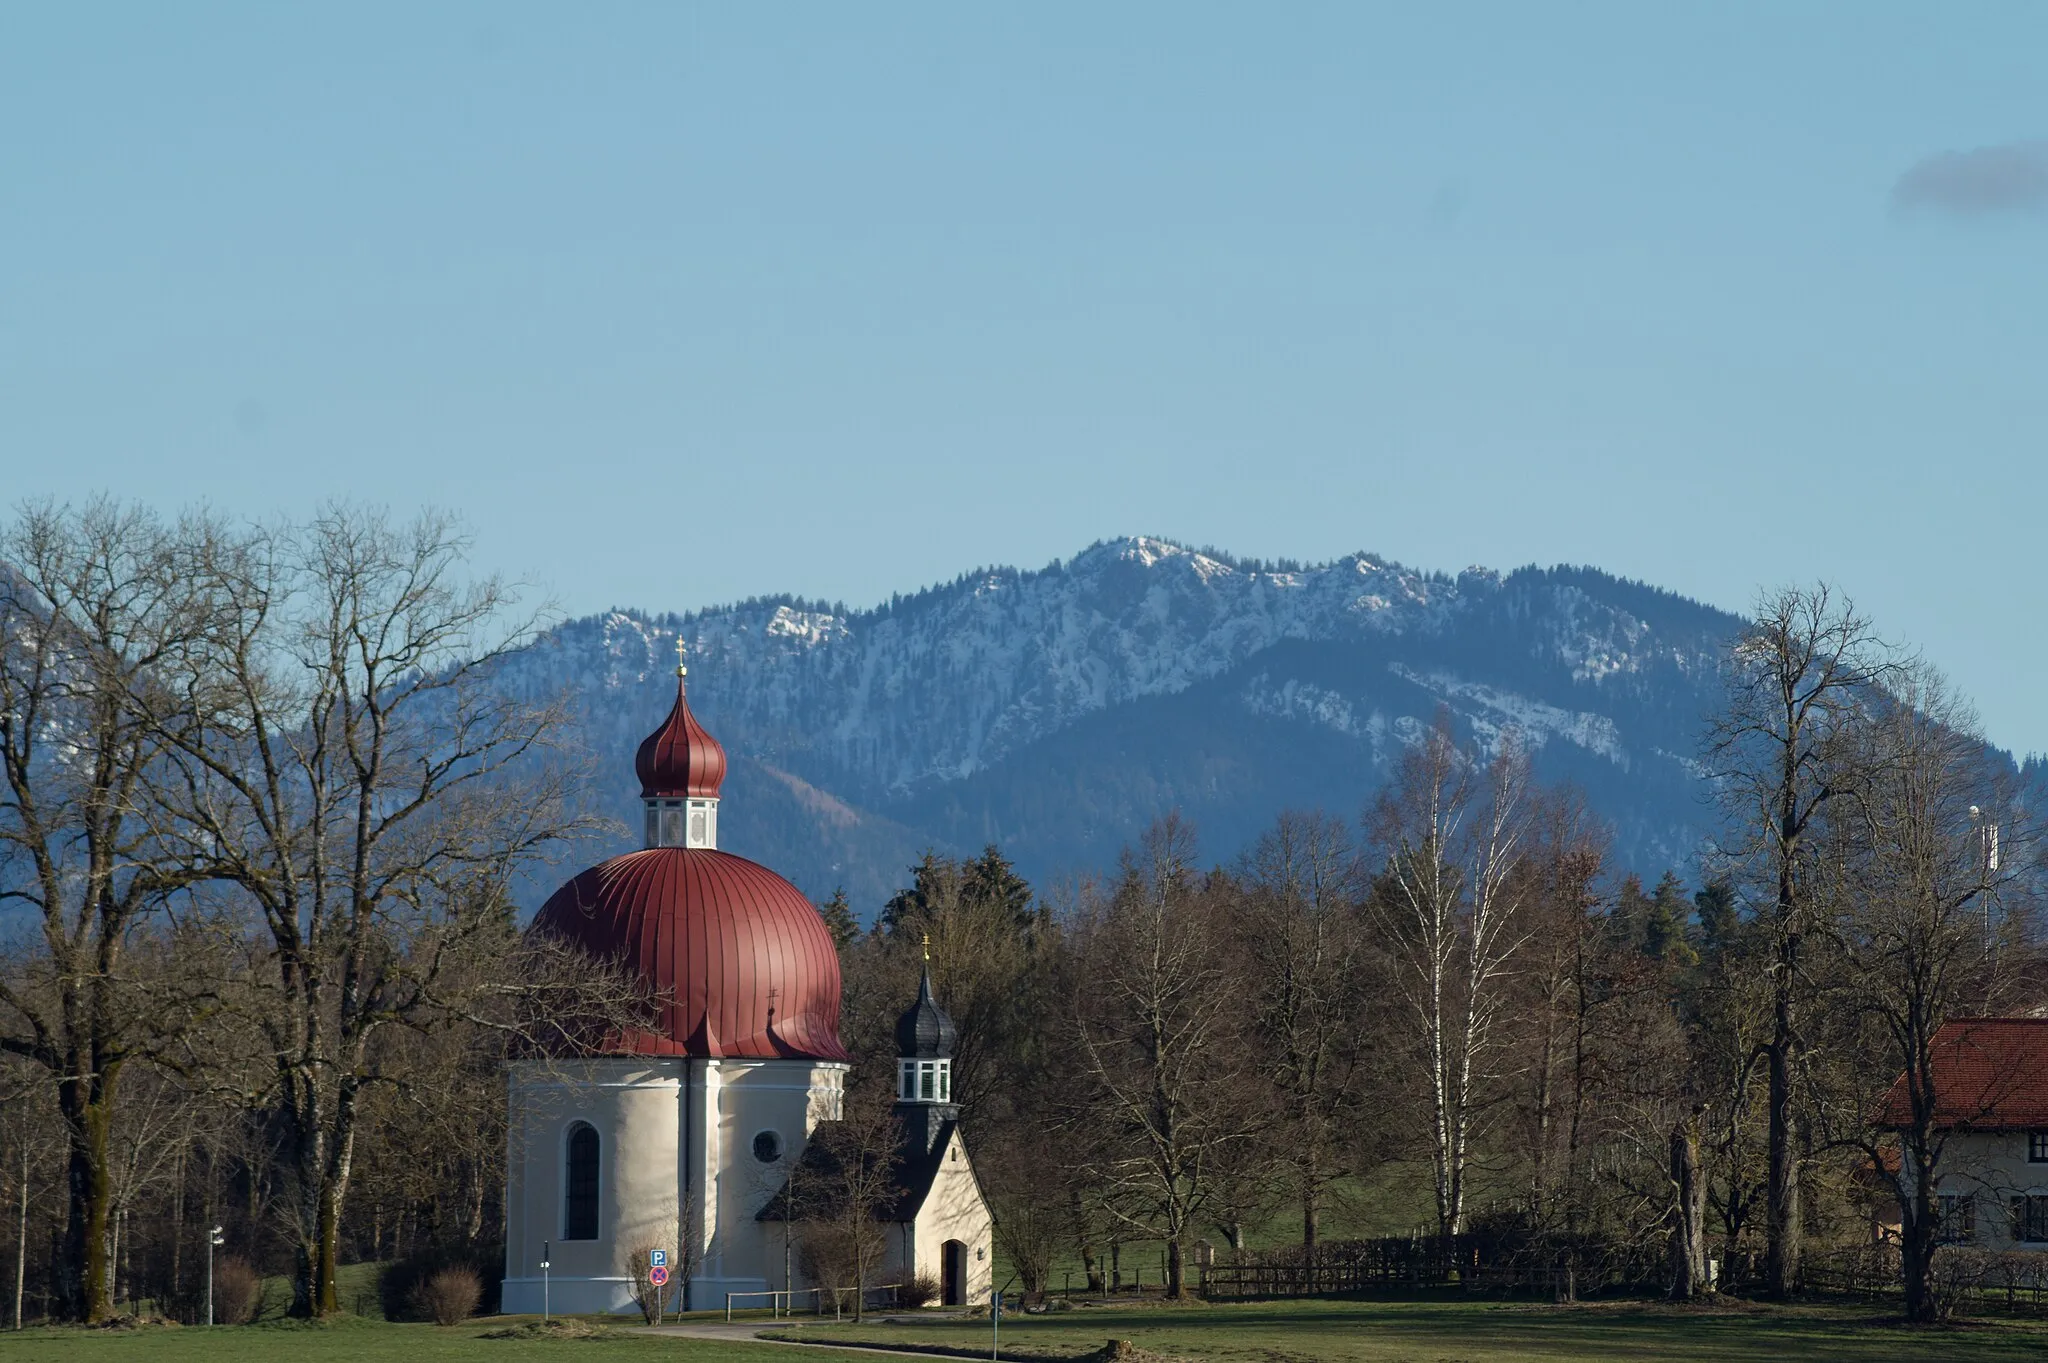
(658, 1275)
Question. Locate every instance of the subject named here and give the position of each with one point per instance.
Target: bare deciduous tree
(847, 1180)
(1796, 681)
(1300, 929)
(93, 606)
(1917, 893)
(369, 792)
(1155, 1016)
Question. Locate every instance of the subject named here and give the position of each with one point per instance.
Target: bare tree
(1563, 984)
(1301, 933)
(1795, 682)
(1153, 1010)
(1449, 906)
(369, 791)
(1918, 892)
(843, 1187)
(93, 606)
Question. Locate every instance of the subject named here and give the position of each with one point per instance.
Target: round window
(767, 1147)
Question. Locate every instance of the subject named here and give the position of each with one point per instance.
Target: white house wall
(1992, 1167)
(954, 1210)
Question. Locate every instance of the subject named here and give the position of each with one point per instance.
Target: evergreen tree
(934, 884)
(1631, 911)
(1715, 905)
(1663, 924)
(839, 918)
(990, 879)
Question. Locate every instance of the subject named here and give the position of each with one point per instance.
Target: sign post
(657, 1278)
(544, 1282)
(995, 1324)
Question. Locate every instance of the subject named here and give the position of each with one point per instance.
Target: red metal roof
(680, 759)
(1990, 1074)
(750, 967)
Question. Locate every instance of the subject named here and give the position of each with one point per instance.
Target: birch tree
(1448, 903)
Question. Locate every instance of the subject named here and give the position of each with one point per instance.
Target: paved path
(749, 1332)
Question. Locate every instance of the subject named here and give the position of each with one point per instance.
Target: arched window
(579, 1202)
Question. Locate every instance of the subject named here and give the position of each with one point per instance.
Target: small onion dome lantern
(681, 767)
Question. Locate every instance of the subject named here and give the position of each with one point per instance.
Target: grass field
(351, 1339)
(1267, 1332)
(1472, 1332)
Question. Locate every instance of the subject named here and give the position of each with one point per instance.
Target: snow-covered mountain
(1057, 712)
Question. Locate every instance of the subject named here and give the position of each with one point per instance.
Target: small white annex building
(680, 1138)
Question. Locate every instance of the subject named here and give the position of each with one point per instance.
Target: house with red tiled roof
(1988, 1084)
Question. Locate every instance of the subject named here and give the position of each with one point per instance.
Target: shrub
(402, 1285)
(1955, 1273)
(237, 1288)
(449, 1296)
(919, 1289)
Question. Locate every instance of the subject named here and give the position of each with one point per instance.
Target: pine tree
(1715, 905)
(934, 881)
(1663, 924)
(839, 918)
(991, 879)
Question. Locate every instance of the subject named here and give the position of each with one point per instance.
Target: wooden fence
(1478, 1262)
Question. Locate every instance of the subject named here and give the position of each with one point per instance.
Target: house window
(1958, 1224)
(2030, 1219)
(908, 1088)
(927, 1080)
(579, 1202)
(2037, 1147)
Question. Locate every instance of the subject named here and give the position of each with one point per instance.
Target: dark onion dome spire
(680, 760)
(925, 1032)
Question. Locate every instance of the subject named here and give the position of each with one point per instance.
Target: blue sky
(680, 303)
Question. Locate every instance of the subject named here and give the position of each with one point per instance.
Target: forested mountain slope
(1058, 711)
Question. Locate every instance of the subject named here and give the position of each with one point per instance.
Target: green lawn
(349, 1340)
(1381, 1332)
(1264, 1332)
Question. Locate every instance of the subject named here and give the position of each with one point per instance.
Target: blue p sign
(657, 1258)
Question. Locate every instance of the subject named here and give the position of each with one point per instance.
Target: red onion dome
(747, 967)
(680, 759)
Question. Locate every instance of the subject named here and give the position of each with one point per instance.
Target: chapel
(681, 1136)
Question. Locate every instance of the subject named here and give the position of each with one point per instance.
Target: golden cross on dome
(927, 948)
(681, 648)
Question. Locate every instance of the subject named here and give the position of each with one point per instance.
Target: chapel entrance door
(953, 1273)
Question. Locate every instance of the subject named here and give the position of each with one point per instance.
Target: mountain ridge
(1056, 711)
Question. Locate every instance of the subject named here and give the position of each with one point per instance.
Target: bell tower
(925, 1037)
(681, 769)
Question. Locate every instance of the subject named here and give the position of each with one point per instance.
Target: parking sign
(657, 1258)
